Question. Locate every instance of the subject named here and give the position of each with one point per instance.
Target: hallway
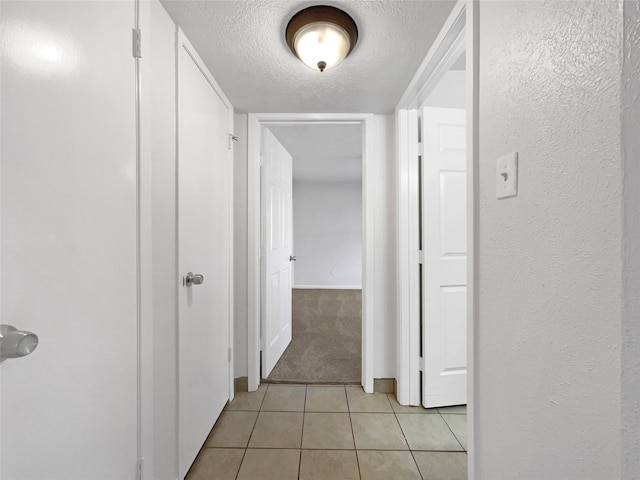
(308, 432)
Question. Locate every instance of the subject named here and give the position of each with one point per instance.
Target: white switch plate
(507, 176)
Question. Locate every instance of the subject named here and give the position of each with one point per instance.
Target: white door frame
(459, 32)
(256, 122)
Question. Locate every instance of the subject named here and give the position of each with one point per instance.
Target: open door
(204, 165)
(444, 277)
(277, 221)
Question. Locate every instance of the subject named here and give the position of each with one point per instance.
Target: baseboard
(328, 287)
(240, 384)
(384, 385)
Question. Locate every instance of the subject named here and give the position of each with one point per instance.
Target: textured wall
(548, 341)
(631, 243)
(327, 233)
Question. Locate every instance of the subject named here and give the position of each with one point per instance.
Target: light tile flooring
(309, 432)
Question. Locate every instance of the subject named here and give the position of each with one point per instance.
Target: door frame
(460, 32)
(255, 123)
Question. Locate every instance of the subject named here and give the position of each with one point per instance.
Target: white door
(444, 280)
(277, 221)
(204, 165)
(68, 222)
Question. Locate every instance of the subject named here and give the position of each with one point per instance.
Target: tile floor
(310, 432)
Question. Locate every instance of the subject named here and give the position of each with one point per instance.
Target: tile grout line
(416, 463)
(251, 434)
(241, 461)
(452, 433)
(257, 416)
(353, 433)
(304, 413)
(405, 438)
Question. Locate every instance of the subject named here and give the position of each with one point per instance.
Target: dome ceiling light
(321, 36)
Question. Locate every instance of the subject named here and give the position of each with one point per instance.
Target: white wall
(449, 92)
(630, 417)
(385, 247)
(548, 333)
(327, 234)
(385, 310)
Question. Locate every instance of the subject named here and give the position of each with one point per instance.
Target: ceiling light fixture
(321, 36)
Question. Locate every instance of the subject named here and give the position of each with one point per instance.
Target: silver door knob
(292, 258)
(16, 343)
(193, 279)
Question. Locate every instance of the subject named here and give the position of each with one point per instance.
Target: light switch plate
(507, 176)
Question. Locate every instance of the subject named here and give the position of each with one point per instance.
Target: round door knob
(16, 343)
(193, 279)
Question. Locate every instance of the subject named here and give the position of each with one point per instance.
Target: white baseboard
(329, 287)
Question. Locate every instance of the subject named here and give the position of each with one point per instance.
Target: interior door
(68, 245)
(277, 236)
(444, 280)
(204, 165)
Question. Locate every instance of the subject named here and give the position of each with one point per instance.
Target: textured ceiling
(323, 153)
(242, 43)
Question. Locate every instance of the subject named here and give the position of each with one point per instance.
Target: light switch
(507, 176)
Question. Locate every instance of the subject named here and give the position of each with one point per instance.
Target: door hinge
(230, 354)
(140, 468)
(420, 149)
(420, 257)
(136, 46)
(231, 138)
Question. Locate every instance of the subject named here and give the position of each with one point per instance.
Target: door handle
(292, 258)
(193, 279)
(16, 343)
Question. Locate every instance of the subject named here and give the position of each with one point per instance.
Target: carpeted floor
(326, 345)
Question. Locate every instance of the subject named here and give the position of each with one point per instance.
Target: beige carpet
(326, 338)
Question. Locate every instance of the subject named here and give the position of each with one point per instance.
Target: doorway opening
(437, 132)
(258, 125)
(324, 254)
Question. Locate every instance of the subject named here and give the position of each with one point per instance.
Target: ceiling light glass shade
(322, 46)
(321, 36)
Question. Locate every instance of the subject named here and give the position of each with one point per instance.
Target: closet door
(204, 252)
(444, 272)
